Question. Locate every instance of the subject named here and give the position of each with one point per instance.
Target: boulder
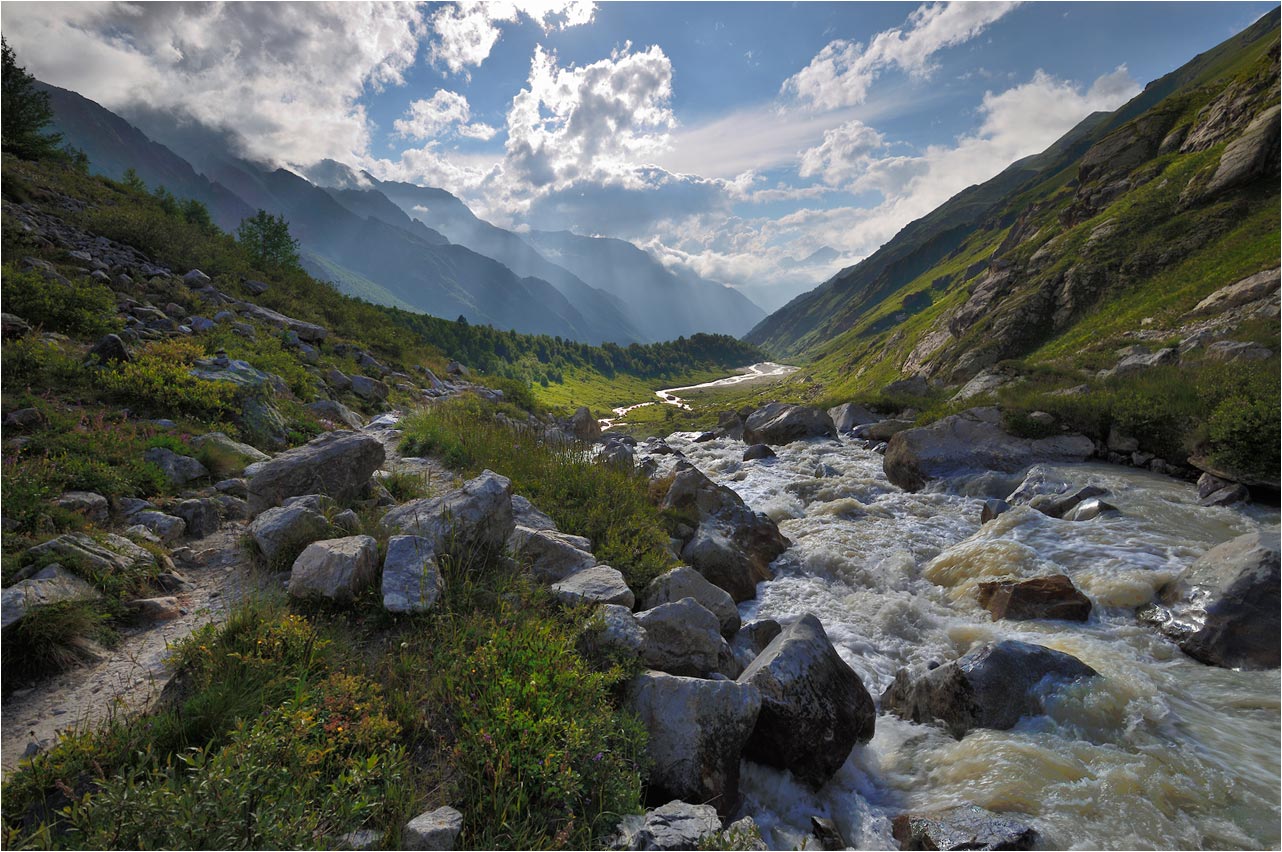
(434, 830)
(1040, 597)
(92, 506)
(583, 425)
(1226, 496)
(1208, 484)
(992, 686)
(962, 827)
(307, 331)
(164, 608)
(599, 584)
(697, 730)
(617, 455)
(753, 638)
(1089, 509)
(178, 469)
(167, 527)
(338, 464)
(476, 516)
(284, 530)
(986, 381)
(1224, 609)
(684, 582)
(411, 578)
(113, 555)
(1226, 351)
(814, 708)
(673, 826)
(916, 386)
(225, 456)
(370, 390)
(196, 279)
(782, 423)
(849, 415)
(758, 451)
(732, 546)
(24, 419)
(52, 584)
(1140, 361)
(972, 441)
(110, 349)
(552, 555)
(1261, 285)
(337, 569)
(201, 516)
(526, 514)
(337, 379)
(682, 638)
(12, 325)
(993, 508)
(612, 631)
(336, 413)
(1059, 505)
(883, 430)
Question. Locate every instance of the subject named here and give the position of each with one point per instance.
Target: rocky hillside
(1116, 235)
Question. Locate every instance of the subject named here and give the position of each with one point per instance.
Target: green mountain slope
(1119, 226)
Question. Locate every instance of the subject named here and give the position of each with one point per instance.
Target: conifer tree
(24, 112)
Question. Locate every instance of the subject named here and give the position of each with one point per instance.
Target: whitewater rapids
(1162, 752)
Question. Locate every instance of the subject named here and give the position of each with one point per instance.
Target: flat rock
(52, 584)
(814, 708)
(697, 730)
(1038, 598)
(599, 584)
(992, 686)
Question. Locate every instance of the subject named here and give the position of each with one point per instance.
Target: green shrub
(608, 505)
(158, 380)
(53, 638)
(32, 364)
(82, 307)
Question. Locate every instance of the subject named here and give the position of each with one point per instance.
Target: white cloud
(841, 74)
(844, 153)
(444, 112)
(467, 31)
(285, 78)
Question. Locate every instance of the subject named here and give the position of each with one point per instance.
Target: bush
(53, 638)
(158, 380)
(82, 307)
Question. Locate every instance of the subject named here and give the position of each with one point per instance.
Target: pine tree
(266, 238)
(24, 112)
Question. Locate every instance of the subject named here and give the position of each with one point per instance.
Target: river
(670, 396)
(1162, 752)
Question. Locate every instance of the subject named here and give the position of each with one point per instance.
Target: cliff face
(1126, 223)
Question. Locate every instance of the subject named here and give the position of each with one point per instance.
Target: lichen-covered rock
(411, 577)
(1224, 610)
(337, 464)
(434, 830)
(674, 826)
(814, 708)
(336, 569)
(992, 686)
(697, 729)
(476, 516)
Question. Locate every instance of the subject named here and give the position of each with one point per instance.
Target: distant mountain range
(414, 247)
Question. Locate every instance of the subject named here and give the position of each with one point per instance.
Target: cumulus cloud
(844, 153)
(436, 116)
(466, 32)
(284, 78)
(841, 74)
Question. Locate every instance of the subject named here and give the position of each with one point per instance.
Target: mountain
(361, 242)
(1118, 229)
(661, 302)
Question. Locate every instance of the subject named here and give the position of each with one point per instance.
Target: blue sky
(730, 138)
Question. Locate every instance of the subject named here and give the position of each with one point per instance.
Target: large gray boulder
(50, 585)
(1053, 597)
(285, 530)
(612, 632)
(202, 516)
(684, 582)
(682, 638)
(583, 425)
(113, 555)
(1224, 609)
(370, 390)
(731, 545)
(992, 686)
(697, 729)
(169, 528)
(552, 555)
(599, 584)
(93, 507)
(972, 441)
(962, 827)
(335, 412)
(849, 415)
(434, 830)
(674, 826)
(781, 423)
(337, 569)
(477, 516)
(814, 708)
(411, 577)
(337, 464)
(178, 469)
(227, 457)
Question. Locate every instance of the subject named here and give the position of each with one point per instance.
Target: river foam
(1162, 752)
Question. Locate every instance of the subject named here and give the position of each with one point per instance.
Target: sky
(763, 145)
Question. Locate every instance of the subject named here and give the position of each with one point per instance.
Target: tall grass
(608, 505)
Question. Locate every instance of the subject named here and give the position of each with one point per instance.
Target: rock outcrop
(697, 732)
(993, 686)
(338, 464)
(1224, 609)
(814, 708)
(972, 441)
